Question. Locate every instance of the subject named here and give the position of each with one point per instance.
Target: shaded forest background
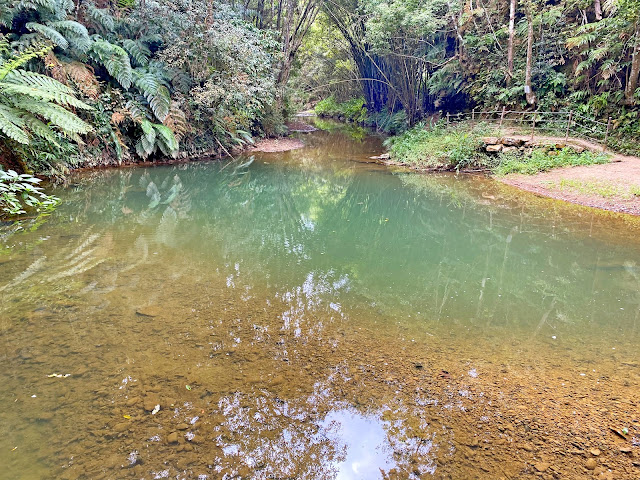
(85, 84)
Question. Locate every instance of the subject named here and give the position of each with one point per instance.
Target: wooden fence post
(502, 115)
(447, 119)
(606, 136)
(533, 129)
(566, 137)
(473, 117)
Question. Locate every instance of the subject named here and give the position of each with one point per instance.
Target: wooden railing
(567, 124)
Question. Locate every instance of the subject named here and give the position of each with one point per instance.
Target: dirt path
(613, 186)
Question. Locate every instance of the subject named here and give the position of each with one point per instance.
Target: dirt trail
(608, 186)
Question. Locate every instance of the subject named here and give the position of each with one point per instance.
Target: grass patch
(439, 147)
(540, 160)
(599, 189)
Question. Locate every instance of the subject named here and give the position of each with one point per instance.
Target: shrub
(438, 147)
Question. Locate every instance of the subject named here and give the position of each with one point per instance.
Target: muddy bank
(613, 187)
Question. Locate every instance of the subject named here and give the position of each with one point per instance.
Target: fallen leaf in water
(14, 449)
(155, 410)
(188, 387)
(128, 416)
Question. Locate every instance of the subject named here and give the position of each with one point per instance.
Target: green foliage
(540, 160)
(438, 148)
(156, 137)
(389, 122)
(32, 104)
(353, 110)
(147, 78)
(19, 193)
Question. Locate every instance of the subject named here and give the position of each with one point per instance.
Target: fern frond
(54, 91)
(41, 130)
(101, 17)
(49, 33)
(12, 125)
(138, 51)
(36, 80)
(608, 68)
(166, 140)
(36, 5)
(75, 33)
(65, 120)
(149, 132)
(115, 59)
(154, 92)
(598, 53)
(584, 65)
(180, 80)
(177, 122)
(7, 14)
(83, 78)
(136, 111)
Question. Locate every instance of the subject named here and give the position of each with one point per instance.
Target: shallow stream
(313, 315)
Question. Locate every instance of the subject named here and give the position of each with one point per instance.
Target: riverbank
(613, 186)
(572, 169)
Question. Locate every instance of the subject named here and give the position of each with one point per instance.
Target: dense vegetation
(422, 57)
(87, 84)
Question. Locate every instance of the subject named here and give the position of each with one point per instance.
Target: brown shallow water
(310, 316)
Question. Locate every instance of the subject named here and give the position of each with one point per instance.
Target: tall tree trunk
(528, 90)
(597, 6)
(512, 29)
(632, 83)
(299, 15)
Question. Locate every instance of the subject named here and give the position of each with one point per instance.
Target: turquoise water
(190, 286)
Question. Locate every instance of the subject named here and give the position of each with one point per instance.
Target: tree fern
(28, 97)
(115, 59)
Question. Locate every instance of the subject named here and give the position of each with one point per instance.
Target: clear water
(292, 315)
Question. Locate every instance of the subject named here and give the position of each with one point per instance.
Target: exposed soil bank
(613, 186)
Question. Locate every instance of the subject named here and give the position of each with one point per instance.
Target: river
(312, 315)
